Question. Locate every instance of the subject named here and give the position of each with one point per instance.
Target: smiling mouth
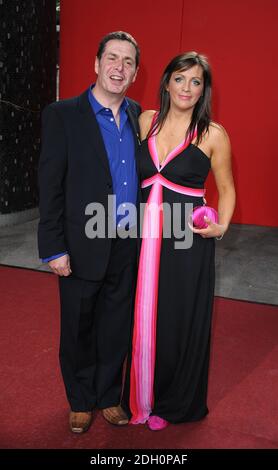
(116, 78)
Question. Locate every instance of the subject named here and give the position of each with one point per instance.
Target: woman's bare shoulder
(219, 142)
(145, 120)
(147, 115)
(217, 131)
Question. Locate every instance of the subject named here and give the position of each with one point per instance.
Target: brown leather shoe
(80, 421)
(115, 415)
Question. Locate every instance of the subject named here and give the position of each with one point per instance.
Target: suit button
(109, 185)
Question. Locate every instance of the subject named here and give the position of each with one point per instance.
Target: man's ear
(134, 78)
(96, 65)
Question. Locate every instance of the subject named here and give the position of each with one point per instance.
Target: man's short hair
(122, 36)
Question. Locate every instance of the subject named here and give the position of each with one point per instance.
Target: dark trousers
(95, 330)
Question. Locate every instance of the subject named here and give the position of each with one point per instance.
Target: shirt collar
(98, 107)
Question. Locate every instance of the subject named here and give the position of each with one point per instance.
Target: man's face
(116, 69)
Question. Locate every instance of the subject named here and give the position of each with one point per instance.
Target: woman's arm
(222, 169)
(145, 121)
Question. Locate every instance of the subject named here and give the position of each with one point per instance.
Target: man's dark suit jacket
(73, 172)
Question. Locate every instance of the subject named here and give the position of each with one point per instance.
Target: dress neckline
(176, 151)
(173, 151)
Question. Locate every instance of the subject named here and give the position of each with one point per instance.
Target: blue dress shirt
(119, 145)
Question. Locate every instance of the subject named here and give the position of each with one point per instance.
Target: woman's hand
(212, 230)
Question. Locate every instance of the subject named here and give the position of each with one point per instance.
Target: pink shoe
(155, 423)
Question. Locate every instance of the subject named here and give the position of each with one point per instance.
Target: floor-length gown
(167, 371)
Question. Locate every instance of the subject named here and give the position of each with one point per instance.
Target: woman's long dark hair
(201, 116)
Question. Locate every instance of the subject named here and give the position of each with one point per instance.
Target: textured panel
(27, 84)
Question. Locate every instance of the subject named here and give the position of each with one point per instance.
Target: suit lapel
(133, 119)
(92, 130)
(94, 136)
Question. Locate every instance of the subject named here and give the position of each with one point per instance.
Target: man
(88, 153)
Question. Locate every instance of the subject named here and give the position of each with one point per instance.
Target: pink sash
(144, 333)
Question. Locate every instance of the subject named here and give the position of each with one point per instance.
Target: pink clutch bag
(198, 214)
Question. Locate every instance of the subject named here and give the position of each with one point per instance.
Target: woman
(168, 375)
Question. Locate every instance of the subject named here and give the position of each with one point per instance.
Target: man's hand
(61, 265)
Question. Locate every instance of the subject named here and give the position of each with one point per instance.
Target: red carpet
(243, 386)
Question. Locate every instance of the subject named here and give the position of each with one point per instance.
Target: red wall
(239, 39)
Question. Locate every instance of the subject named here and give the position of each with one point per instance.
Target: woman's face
(186, 87)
